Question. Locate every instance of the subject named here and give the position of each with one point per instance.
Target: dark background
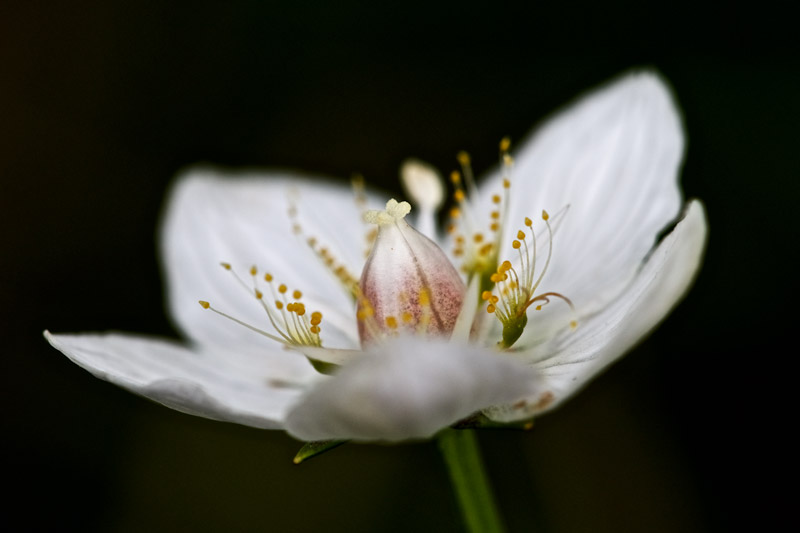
(102, 102)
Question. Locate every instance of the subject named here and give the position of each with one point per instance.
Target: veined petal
(606, 336)
(227, 387)
(243, 220)
(408, 388)
(613, 156)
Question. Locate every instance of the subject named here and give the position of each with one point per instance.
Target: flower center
(408, 284)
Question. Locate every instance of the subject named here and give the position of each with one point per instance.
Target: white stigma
(394, 211)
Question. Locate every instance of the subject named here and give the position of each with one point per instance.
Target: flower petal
(613, 157)
(408, 388)
(243, 220)
(219, 386)
(600, 340)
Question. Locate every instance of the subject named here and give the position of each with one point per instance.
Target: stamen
(479, 259)
(348, 281)
(516, 289)
(288, 319)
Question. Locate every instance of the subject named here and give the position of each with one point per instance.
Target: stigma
(408, 284)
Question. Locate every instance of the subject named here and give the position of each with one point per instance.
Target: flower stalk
(469, 480)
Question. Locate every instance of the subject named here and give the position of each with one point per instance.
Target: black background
(102, 102)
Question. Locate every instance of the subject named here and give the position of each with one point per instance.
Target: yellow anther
(463, 158)
(290, 307)
(508, 160)
(204, 304)
(494, 299)
(424, 297)
(506, 183)
(279, 304)
(494, 226)
(485, 295)
(455, 177)
(495, 215)
(459, 195)
(538, 307)
(545, 216)
(515, 245)
(490, 308)
(460, 239)
(407, 317)
(316, 315)
(259, 294)
(391, 322)
(486, 249)
(282, 288)
(505, 266)
(573, 324)
(268, 277)
(226, 266)
(299, 308)
(478, 237)
(455, 212)
(253, 270)
(312, 241)
(314, 329)
(496, 198)
(505, 144)
(297, 295)
(451, 228)
(528, 222)
(458, 252)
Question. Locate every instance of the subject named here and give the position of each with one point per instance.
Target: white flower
(606, 168)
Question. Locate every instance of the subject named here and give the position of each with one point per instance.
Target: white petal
(219, 386)
(613, 157)
(406, 389)
(243, 220)
(599, 341)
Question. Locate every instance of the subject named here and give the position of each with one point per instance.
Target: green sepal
(313, 449)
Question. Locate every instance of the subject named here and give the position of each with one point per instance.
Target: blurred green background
(102, 102)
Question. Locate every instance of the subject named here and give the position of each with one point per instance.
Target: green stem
(475, 499)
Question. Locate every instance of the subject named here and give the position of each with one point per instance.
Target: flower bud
(408, 284)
